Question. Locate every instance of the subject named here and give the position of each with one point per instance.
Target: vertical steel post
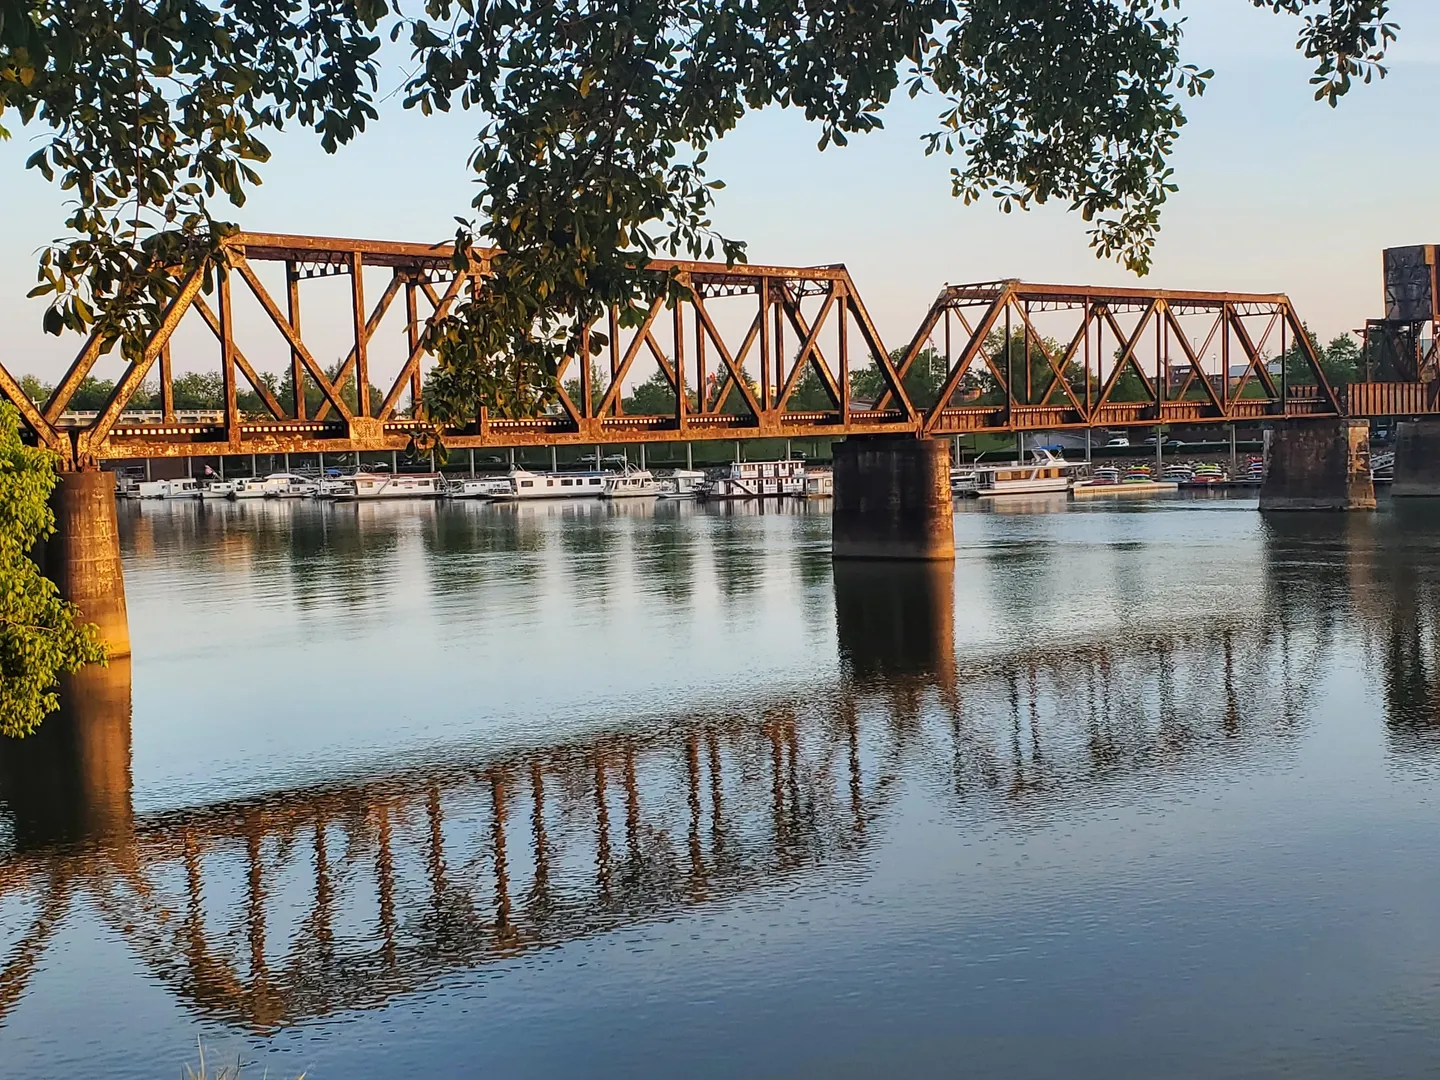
(1029, 384)
(362, 351)
(689, 456)
(554, 460)
(412, 334)
(765, 345)
(614, 361)
(297, 366)
(472, 463)
(1284, 368)
(167, 385)
(677, 333)
(227, 362)
(1234, 454)
(1009, 370)
(642, 455)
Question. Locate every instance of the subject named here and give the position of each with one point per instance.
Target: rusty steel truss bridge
(731, 358)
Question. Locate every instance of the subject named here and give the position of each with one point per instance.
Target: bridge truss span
(748, 351)
(1021, 356)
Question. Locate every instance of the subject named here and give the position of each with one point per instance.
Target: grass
(203, 1071)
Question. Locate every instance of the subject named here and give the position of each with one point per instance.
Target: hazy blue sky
(1277, 192)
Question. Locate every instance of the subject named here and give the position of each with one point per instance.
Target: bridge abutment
(1417, 459)
(83, 557)
(1319, 465)
(892, 499)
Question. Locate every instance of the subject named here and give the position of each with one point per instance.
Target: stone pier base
(1319, 465)
(892, 499)
(1417, 459)
(83, 557)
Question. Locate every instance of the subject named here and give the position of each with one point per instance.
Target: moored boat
(758, 480)
(217, 489)
(682, 484)
(291, 486)
(819, 484)
(631, 483)
(477, 487)
(250, 487)
(556, 485)
(1045, 473)
(182, 488)
(364, 486)
(962, 480)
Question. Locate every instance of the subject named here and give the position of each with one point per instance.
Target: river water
(654, 790)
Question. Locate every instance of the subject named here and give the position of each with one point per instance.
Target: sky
(1278, 193)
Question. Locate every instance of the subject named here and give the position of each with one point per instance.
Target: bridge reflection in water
(269, 911)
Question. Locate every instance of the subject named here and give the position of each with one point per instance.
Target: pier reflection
(70, 782)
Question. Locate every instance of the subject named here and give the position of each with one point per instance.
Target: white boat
(127, 487)
(217, 489)
(557, 485)
(630, 483)
(392, 486)
(1045, 473)
(183, 488)
(759, 480)
(250, 487)
(477, 487)
(682, 484)
(819, 484)
(962, 480)
(291, 486)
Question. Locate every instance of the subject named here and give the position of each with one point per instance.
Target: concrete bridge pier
(1417, 459)
(83, 557)
(1319, 465)
(892, 499)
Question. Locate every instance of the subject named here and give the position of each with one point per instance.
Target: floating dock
(1085, 489)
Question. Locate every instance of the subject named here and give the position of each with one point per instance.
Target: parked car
(1119, 440)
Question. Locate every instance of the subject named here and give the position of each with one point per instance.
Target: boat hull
(1056, 485)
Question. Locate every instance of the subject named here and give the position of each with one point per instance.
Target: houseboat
(217, 489)
(962, 481)
(250, 487)
(759, 480)
(682, 484)
(183, 488)
(557, 485)
(819, 484)
(291, 486)
(1044, 474)
(631, 483)
(365, 485)
(477, 487)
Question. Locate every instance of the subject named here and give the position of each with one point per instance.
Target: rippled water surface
(654, 790)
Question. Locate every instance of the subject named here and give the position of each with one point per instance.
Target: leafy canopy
(39, 635)
(594, 118)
